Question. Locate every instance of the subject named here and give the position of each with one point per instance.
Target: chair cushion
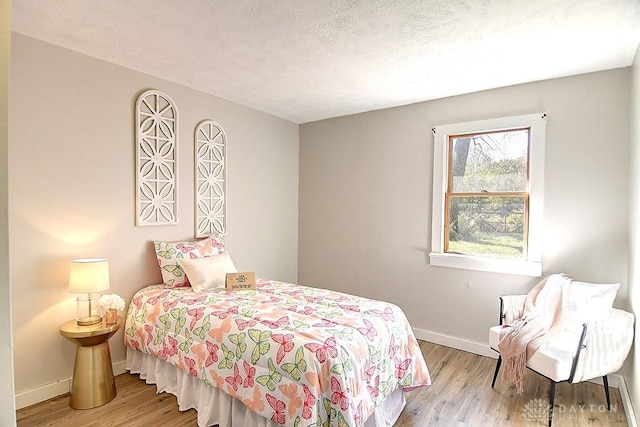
(554, 358)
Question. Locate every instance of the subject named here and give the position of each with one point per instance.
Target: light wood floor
(460, 395)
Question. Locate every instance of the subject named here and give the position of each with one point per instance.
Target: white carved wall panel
(210, 186)
(156, 159)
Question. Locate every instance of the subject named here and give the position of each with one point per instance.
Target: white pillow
(589, 302)
(208, 272)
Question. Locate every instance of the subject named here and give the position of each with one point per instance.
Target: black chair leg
(605, 380)
(552, 398)
(495, 374)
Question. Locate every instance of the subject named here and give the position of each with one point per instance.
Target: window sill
(494, 265)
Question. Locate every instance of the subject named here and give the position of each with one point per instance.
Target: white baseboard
(58, 388)
(119, 367)
(482, 349)
(626, 402)
(40, 394)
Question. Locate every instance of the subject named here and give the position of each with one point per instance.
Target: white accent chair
(594, 342)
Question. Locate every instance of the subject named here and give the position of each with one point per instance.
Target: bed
(282, 354)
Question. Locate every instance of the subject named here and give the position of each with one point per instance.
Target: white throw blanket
(544, 308)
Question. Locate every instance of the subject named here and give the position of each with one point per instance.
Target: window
(487, 195)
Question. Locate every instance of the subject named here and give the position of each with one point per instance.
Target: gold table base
(93, 383)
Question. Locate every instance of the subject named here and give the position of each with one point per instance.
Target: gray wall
(72, 192)
(631, 367)
(364, 197)
(7, 404)
(366, 190)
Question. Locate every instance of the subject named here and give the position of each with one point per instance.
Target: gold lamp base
(89, 320)
(89, 311)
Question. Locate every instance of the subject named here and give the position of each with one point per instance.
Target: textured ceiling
(306, 60)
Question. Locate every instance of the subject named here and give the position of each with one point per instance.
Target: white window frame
(532, 265)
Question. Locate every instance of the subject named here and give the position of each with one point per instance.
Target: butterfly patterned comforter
(297, 355)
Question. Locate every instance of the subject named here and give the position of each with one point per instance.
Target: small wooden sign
(241, 281)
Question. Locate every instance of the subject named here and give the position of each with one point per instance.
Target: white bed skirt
(216, 407)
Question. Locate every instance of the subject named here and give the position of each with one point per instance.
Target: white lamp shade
(89, 275)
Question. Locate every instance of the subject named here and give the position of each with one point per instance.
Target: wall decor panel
(156, 159)
(210, 176)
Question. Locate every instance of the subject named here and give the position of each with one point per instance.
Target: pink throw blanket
(544, 308)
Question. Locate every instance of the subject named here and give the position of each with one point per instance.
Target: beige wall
(366, 190)
(631, 368)
(72, 192)
(7, 404)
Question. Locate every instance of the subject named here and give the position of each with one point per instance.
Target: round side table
(93, 383)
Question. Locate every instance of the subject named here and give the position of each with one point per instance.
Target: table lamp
(86, 276)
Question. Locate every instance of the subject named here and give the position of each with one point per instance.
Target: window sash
(525, 221)
(450, 150)
(532, 265)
